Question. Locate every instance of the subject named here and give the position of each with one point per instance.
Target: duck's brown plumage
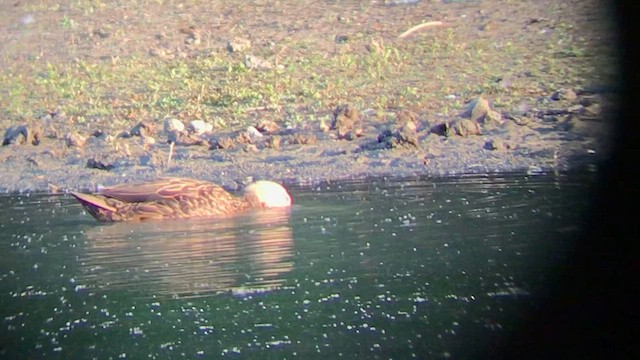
(162, 198)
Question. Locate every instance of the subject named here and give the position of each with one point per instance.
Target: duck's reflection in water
(189, 258)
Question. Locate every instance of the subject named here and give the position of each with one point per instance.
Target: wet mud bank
(33, 160)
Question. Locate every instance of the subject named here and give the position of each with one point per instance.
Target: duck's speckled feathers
(162, 198)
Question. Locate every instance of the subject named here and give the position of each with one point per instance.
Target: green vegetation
(369, 70)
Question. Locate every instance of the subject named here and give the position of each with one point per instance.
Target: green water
(420, 268)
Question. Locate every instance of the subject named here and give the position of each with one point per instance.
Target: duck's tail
(96, 206)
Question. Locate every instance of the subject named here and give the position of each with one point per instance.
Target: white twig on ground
(419, 27)
(171, 144)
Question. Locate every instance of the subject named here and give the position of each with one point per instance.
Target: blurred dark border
(591, 310)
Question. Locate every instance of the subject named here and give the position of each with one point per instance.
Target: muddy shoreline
(536, 147)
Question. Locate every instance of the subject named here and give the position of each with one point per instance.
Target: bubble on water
(167, 346)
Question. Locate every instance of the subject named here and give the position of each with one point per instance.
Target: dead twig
(419, 27)
(171, 145)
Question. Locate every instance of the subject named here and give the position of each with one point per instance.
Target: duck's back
(160, 199)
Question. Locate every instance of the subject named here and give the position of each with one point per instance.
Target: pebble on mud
(223, 143)
(23, 134)
(520, 119)
(346, 119)
(273, 142)
(302, 139)
(267, 126)
(75, 140)
(407, 119)
(183, 138)
(143, 128)
(254, 134)
(254, 62)
(250, 148)
(193, 35)
(564, 94)
(173, 125)
(477, 109)
(199, 127)
(493, 118)
(238, 44)
(461, 127)
(341, 39)
(153, 159)
(496, 144)
(243, 138)
(94, 163)
(323, 126)
(404, 136)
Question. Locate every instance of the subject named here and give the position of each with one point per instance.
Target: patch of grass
(372, 70)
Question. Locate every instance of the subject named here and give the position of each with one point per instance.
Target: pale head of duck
(267, 194)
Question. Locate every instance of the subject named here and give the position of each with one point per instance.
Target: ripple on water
(413, 268)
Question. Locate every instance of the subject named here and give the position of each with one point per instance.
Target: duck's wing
(161, 189)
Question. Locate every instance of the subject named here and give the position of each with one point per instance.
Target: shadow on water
(383, 268)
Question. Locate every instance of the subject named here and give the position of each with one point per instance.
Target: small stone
(143, 128)
(223, 143)
(53, 189)
(148, 141)
(267, 126)
(192, 39)
(440, 129)
(254, 62)
(193, 35)
(158, 52)
(564, 94)
(346, 119)
(254, 134)
(479, 109)
(520, 119)
(101, 33)
(173, 125)
(593, 110)
(407, 119)
(153, 159)
(124, 134)
(341, 39)
(576, 109)
(496, 144)
(23, 134)
(238, 45)
(75, 140)
(493, 117)
(403, 136)
(251, 148)
(466, 127)
(301, 139)
(94, 163)
(323, 126)
(243, 138)
(199, 127)
(186, 139)
(274, 142)
(462, 127)
(99, 133)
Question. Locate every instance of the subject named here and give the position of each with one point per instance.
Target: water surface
(423, 268)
